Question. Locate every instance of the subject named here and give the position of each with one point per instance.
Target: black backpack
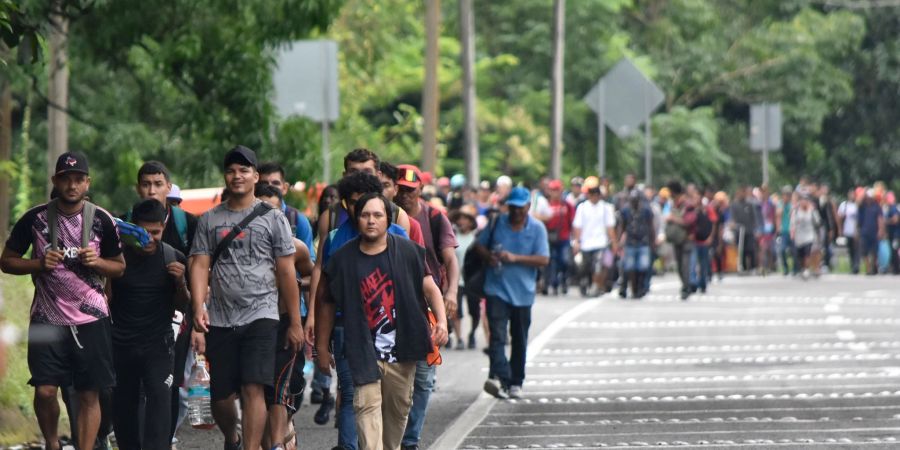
(704, 225)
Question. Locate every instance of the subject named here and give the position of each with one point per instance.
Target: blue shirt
(515, 283)
(302, 230)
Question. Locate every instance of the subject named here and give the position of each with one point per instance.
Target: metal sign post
(765, 132)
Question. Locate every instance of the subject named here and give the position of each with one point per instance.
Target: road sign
(623, 100)
(306, 84)
(765, 126)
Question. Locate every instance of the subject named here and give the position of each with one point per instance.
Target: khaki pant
(382, 407)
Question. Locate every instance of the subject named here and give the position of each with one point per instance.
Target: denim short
(637, 257)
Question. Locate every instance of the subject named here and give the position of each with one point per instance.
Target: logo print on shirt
(378, 300)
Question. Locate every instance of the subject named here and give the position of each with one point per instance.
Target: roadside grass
(17, 421)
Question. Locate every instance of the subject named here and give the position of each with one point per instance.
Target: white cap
(504, 180)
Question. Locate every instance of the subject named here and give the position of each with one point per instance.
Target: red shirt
(562, 214)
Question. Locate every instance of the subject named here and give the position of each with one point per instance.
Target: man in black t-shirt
(142, 302)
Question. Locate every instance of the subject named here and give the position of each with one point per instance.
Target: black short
(241, 355)
(288, 383)
(79, 355)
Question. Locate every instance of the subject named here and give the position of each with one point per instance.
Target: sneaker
(515, 392)
(324, 412)
(316, 396)
(494, 387)
(460, 345)
(410, 447)
(235, 446)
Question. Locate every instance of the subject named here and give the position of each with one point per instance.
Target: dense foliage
(181, 81)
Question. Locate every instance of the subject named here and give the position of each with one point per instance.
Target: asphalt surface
(755, 363)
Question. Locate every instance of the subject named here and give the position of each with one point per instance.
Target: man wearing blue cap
(516, 248)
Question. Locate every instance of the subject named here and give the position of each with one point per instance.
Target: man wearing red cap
(559, 229)
(440, 256)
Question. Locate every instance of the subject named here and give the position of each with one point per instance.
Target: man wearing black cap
(142, 303)
(69, 335)
(244, 278)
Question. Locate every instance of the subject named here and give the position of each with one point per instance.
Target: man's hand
(89, 257)
(507, 257)
(52, 259)
(201, 320)
(450, 306)
(176, 269)
(576, 247)
(310, 330)
(293, 338)
(198, 342)
(439, 334)
(324, 361)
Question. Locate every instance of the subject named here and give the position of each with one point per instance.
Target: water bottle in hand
(199, 409)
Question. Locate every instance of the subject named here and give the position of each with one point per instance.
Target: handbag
(475, 267)
(434, 356)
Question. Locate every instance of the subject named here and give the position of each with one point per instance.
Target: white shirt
(849, 212)
(540, 206)
(593, 220)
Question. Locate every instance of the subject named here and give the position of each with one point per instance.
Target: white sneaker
(515, 392)
(494, 387)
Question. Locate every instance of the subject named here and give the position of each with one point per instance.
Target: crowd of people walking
(370, 287)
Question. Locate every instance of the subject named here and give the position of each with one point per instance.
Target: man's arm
(528, 260)
(199, 270)
(325, 322)
(13, 263)
(112, 267)
(439, 334)
(403, 220)
(448, 254)
(286, 279)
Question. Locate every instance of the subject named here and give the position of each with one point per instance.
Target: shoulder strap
(180, 218)
(53, 224)
(87, 222)
(260, 209)
(436, 224)
(332, 217)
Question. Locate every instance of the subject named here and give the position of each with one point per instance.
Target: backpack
(676, 233)
(436, 225)
(704, 225)
(180, 218)
(636, 222)
(87, 222)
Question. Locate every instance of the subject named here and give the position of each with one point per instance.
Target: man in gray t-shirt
(242, 283)
(240, 318)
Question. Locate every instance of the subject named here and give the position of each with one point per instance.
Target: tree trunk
(467, 38)
(58, 89)
(556, 117)
(5, 153)
(430, 94)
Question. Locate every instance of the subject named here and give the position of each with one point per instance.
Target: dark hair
(675, 188)
(389, 170)
(358, 183)
(153, 168)
(223, 197)
(267, 190)
(360, 155)
(321, 204)
(361, 203)
(149, 210)
(270, 167)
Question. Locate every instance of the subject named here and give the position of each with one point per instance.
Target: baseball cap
(555, 184)
(504, 180)
(485, 185)
(518, 196)
(240, 155)
(175, 193)
(443, 182)
(72, 162)
(409, 175)
(457, 181)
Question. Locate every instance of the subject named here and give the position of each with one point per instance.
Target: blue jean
(786, 251)
(701, 270)
(501, 317)
(346, 418)
(321, 381)
(422, 387)
(637, 258)
(559, 263)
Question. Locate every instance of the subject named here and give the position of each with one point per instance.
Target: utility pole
(470, 127)
(430, 94)
(556, 115)
(58, 88)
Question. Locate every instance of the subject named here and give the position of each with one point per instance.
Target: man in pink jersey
(69, 339)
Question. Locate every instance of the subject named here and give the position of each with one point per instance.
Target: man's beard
(371, 240)
(63, 199)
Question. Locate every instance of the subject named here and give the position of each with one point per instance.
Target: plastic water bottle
(199, 409)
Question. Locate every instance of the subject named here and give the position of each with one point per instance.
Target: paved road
(757, 363)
